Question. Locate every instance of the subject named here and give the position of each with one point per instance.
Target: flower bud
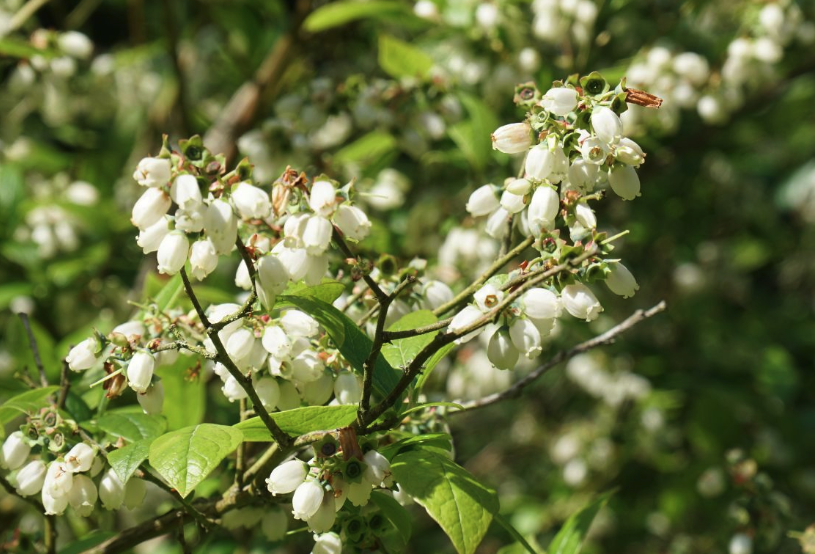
(539, 162)
(621, 282)
(483, 201)
(299, 324)
(149, 239)
(514, 138)
(80, 458)
(153, 172)
(15, 451)
(526, 337)
(327, 543)
(559, 101)
(583, 174)
(31, 478)
(150, 207)
(322, 198)
(274, 524)
(172, 253)
(221, 226)
(580, 302)
(607, 125)
(272, 279)
(250, 201)
(58, 479)
(624, 181)
(464, 319)
(111, 490)
(152, 400)
(512, 203)
(347, 389)
(540, 304)
(186, 193)
(268, 392)
(543, 208)
(286, 477)
(500, 350)
(140, 371)
(585, 216)
(307, 499)
(487, 297)
(436, 294)
(134, 493)
(83, 355)
(317, 235)
(83, 495)
(353, 222)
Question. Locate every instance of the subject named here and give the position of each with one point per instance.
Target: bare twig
(564, 355)
(64, 385)
(32, 342)
(346, 251)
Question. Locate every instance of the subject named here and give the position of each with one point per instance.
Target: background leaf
(185, 457)
(400, 59)
(569, 539)
(340, 13)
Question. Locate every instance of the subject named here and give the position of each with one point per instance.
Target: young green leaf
(185, 457)
(299, 421)
(127, 460)
(569, 539)
(400, 59)
(461, 505)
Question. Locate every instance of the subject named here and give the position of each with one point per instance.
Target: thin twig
(194, 299)
(564, 355)
(64, 385)
(423, 330)
(32, 342)
(346, 251)
(23, 15)
(464, 295)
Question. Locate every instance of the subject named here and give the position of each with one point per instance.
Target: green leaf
(327, 291)
(185, 457)
(132, 426)
(400, 59)
(94, 538)
(25, 403)
(473, 135)
(451, 495)
(166, 299)
(299, 421)
(367, 148)
(401, 352)
(77, 407)
(435, 440)
(348, 338)
(340, 13)
(569, 539)
(395, 513)
(184, 401)
(126, 460)
(15, 48)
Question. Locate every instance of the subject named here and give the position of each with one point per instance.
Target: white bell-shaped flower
(299, 324)
(543, 208)
(583, 174)
(307, 499)
(150, 238)
(186, 193)
(272, 279)
(621, 282)
(512, 203)
(203, 259)
(327, 543)
(497, 224)
(607, 125)
(317, 235)
(435, 294)
(624, 181)
(526, 337)
(322, 198)
(286, 477)
(233, 390)
(378, 472)
(559, 100)
(488, 297)
(594, 150)
(307, 366)
(325, 516)
(111, 490)
(58, 479)
(140, 370)
(629, 152)
(251, 201)
(240, 344)
(153, 172)
(135, 491)
(347, 389)
(353, 222)
(500, 350)
(521, 187)
(514, 138)
(54, 505)
(221, 226)
(540, 304)
(15, 451)
(585, 216)
(540, 161)
(151, 206)
(462, 320)
(83, 355)
(31, 478)
(80, 457)
(268, 392)
(83, 495)
(276, 341)
(172, 252)
(483, 201)
(580, 302)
